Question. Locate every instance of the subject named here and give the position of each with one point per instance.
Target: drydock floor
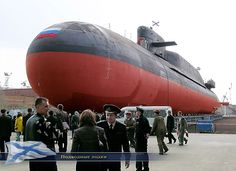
(204, 152)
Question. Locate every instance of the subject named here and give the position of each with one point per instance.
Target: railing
(200, 119)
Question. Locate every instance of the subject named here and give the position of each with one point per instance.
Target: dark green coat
(158, 125)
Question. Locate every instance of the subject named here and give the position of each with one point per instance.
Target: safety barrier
(205, 126)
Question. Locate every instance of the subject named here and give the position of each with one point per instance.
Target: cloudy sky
(203, 29)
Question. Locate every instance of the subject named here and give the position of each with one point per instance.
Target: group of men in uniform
(38, 128)
(161, 130)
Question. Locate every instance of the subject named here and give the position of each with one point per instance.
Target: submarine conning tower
(154, 43)
(147, 38)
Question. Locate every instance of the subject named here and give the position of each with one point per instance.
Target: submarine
(83, 65)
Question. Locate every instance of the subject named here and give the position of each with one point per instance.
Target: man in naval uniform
(182, 129)
(160, 130)
(116, 135)
(142, 132)
(130, 127)
(63, 126)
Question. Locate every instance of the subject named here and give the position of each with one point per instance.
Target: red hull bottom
(81, 81)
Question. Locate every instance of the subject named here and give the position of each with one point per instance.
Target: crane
(7, 77)
(225, 97)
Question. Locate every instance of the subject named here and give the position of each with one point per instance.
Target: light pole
(230, 90)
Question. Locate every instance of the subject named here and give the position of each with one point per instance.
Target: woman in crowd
(88, 138)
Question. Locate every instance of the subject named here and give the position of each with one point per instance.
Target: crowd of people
(90, 133)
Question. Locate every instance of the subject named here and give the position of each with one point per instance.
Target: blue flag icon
(19, 151)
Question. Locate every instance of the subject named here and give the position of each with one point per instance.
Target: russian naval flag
(49, 33)
(19, 151)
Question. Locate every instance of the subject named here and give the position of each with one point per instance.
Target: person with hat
(160, 130)
(142, 132)
(116, 135)
(5, 129)
(130, 128)
(170, 126)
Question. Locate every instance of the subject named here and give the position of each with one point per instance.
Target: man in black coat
(63, 126)
(170, 126)
(5, 129)
(38, 129)
(142, 134)
(25, 119)
(116, 135)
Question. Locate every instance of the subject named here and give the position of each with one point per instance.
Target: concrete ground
(204, 152)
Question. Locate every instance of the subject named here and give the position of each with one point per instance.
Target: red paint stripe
(88, 81)
(50, 35)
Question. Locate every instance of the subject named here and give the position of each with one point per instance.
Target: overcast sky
(203, 29)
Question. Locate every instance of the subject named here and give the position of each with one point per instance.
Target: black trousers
(130, 135)
(62, 142)
(171, 136)
(43, 164)
(2, 143)
(90, 166)
(141, 146)
(113, 166)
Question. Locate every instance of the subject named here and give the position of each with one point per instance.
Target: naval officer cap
(140, 109)
(111, 108)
